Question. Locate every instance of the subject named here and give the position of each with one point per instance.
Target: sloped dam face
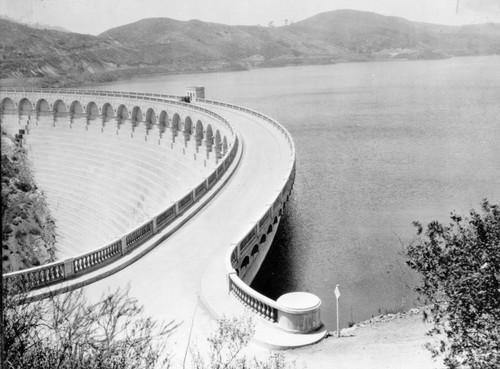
(102, 176)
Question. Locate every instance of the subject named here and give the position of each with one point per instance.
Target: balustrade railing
(166, 217)
(91, 260)
(140, 235)
(57, 272)
(255, 301)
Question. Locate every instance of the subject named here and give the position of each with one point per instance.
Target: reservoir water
(379, 145)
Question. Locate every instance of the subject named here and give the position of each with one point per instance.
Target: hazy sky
(96, 16)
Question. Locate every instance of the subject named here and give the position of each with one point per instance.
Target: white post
(337, 296)
(338, 331)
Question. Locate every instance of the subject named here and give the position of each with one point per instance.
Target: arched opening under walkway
(255, 250)
(188, 128)
(150, 119)
(136, 116)
(60, 109)
(218, 145)
(198, 135)
(7, 106)
(209, 138)
(121, 115)
(175, 124)
(246, 261)
(43, 108)
(163, 122)
(92, 111)
(76, 109)
(25, 107)
(107, 113)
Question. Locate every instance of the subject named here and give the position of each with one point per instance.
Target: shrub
(460, 268)
(35, 231)
(67, 331)
(225, 344)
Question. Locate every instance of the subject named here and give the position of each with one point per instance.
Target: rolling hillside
(163, 45)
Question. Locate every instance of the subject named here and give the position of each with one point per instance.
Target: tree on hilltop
(460, 268)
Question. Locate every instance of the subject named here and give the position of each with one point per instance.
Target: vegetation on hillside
(28, 231)
(460, 268)
(68, 331)
(163, 45)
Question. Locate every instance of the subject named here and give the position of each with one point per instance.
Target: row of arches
(256, 248)
(150, 118)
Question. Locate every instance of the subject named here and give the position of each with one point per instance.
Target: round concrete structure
(300, 312)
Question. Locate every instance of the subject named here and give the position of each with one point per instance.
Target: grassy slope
(163, 45)
(28, 231)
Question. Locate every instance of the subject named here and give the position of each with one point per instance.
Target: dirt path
(395, 343)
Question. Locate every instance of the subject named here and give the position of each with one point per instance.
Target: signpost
(337, 295)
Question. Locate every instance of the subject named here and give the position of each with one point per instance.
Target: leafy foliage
(66, 331)
(460, 266)
(225, 346)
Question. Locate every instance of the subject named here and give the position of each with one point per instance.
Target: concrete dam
(180, 201)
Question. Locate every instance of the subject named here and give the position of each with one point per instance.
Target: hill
(164, 45)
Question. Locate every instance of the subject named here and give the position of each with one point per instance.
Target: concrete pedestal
(300, 312)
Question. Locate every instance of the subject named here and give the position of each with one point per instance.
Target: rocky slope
(28, 231)
(163, 45)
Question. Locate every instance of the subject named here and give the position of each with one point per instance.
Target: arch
(163, 121)
(107, 112)
(255, 250)
(175, 124)
(188, 129)
(188, 126)
(151, 116)
(60, 109)
(150, 119)
(270, 228)
(224, 145)
(209, 138)
(136, 115)
(76, 109)
(280, 213)
(25, 107)
(92, 110)
(275, 220)
(246, 261)
(263, 238)
(198, 135)
(218, 145)
(42, 107)
(7, 106)
(122, 112)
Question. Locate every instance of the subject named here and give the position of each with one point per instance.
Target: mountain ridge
(166, 45)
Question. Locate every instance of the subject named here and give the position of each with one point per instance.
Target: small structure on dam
(195, 93)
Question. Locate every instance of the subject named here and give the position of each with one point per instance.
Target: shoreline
(108, 77)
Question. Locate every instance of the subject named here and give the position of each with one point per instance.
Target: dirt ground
(391, 342)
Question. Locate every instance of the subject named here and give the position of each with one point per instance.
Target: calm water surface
(378, 145)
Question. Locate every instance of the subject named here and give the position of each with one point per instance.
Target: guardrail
(59, 271)
(261, 305)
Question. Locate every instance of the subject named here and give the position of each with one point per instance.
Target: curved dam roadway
(184, 278)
